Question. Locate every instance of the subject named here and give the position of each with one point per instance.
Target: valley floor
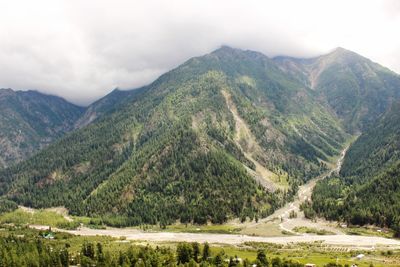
(281, 217)
(351, 242)
(278, 228)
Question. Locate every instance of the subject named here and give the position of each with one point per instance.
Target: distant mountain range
(30, 121)
(228, 134)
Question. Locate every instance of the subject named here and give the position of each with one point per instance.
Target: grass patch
(93, 223)
(264, 229)
(369, 231)
(39, 217)
(192, 228)
(308, 230)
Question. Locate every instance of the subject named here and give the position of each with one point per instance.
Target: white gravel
(352, 241)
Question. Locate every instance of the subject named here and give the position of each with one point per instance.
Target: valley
(282, 215)
(231, 148)
(278, 228)
(200, 133)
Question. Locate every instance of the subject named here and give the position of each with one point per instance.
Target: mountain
(355, 88)
(364, 96)
(30, 121)
(368, 189)
(228, 134)
(106, 105)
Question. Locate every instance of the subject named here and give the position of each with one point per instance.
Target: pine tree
(206, 252)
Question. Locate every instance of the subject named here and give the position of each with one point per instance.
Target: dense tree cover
(29, 121)
(108, 104)
(17, 251)
(375, 202)
(170, 152)
(376, 149)
(368, 189)
(7, 205)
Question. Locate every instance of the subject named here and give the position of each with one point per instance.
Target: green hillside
(228, 134)
(30, 121)
(368, 189)
(106, 105)
(358, 90)
(363, 95)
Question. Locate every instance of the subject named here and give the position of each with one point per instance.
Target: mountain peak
(6, 91)
(228, 50)
(342, 54)
(225, 48)
(340, 49)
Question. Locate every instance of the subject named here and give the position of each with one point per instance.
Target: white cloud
(83, 49)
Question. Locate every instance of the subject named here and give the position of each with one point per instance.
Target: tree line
(21, 252)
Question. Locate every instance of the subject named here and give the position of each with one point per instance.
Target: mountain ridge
(30, 121)
(231, 123)
(355, 88)
(180, 134)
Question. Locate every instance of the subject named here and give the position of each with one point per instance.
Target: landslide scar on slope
(249, 146)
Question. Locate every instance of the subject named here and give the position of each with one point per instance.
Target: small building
(48, 236)
(310, 265)
(360, 256)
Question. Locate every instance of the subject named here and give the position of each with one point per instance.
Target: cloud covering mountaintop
(83, 49)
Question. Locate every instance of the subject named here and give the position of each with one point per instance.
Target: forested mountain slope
(106, 105)
(355, 88)
(29, 121)
(364, 96)
(368, 189)
(222, 135)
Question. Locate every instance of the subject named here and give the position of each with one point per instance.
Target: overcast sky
(82, 49)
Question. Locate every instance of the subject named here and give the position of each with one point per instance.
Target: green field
(308, 230)
(38, 217)
(193, 228)
(370, 231)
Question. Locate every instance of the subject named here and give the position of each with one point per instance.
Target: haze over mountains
(228, 134)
